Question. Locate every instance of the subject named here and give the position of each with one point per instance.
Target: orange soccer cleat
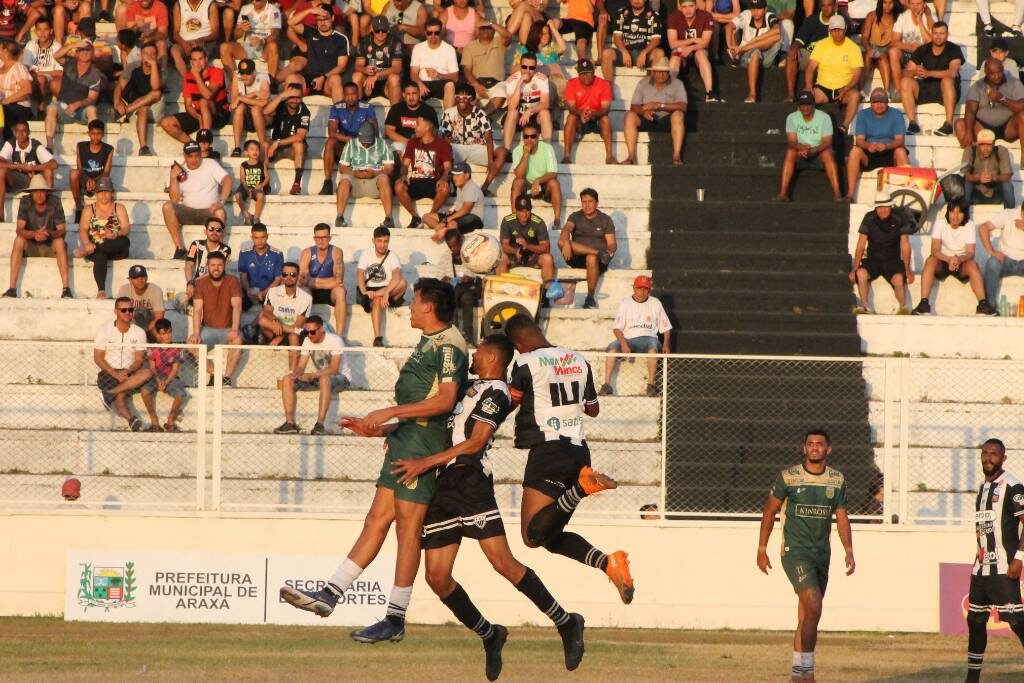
(593, 481)
(618, 573)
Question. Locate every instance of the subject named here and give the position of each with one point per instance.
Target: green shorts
(412, 441)
(805, 572)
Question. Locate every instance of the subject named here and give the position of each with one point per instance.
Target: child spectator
(165, 364)
(254, 181)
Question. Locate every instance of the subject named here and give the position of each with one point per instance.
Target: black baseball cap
(524, 203)
(805, 97)
(585, 66)
(191, 147)
(246, 67)
(758, 4)
(204, 135)
(137, 271)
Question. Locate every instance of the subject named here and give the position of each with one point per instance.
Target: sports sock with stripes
(398, 603)
(346, 573)
(467, 613)
(577, 548)
(534, 589)
(977, 641)
(568, 501)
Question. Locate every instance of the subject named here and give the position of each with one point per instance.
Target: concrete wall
(688, 574)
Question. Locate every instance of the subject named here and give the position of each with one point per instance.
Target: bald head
(994, 74)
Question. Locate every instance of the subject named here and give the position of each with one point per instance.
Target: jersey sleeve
(493, 407)
(454, 365)
(779, 488)
(589, 392)
(520, 381)
(1016, 495)
(841, 496)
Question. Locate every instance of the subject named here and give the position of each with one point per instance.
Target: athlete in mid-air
(808, 495)
(995, 579)
(554, 388)
(464, 507)
(429, 386)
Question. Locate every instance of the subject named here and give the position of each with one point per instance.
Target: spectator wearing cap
(21, 159)
(139, 93)
(468, 128)
(759, 41)
(636, 39)
(217, 313)
(1006, 257)
(366, 167)
(658, 105)
(103, 233)
(808, 146)
(529, 99)
(40, 230)
(198, 190)
(813, 29)
(589, 101)
(93, 160)
(987, 176)
(204, 98)
(80, 86)
(434, 67)
(933, 76)
(525, 242)
(288, 130)
(254, 37)
(995, 102)
(204, 136)
(259, 266)
(379, 279)
(343, 123)
(883, 250)
(588, 241)
(834, 70)
(120, 354)
(640, 320)
(878, 141)
(535, 172)
(378, 65)
(250, 92)
(689, 35)
(146, 297)
(426, 165)
(483, 64)
(467, 212)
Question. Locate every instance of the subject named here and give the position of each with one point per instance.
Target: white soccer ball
(480, 252)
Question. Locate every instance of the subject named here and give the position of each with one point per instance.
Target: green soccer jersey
(439, 357)
(808, 503)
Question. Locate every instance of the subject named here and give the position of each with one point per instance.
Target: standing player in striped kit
(995, 579)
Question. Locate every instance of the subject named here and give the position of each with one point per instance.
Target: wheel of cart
(915, 190)
(506, 296)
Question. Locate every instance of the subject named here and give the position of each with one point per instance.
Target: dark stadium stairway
(742, 275)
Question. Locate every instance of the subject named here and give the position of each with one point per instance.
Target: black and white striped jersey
(998, 512)
(486, 400)
(551, 385)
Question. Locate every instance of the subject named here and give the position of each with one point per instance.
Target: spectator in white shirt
(38, 58)
(199, 189)
(255, 36)
(1008, 257)
(434, 66)
(120, 354)
(331, 375)
(20, 159)
(285, 309)
(379, 279)
(638, 322)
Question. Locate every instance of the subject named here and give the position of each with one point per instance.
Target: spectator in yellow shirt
(834, 71)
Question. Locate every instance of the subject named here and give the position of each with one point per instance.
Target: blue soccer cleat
(320, 603)
(386, 629)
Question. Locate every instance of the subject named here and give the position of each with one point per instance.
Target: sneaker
(135, 424)
(653, 390)
(913, 128)
(318, 429)
(123, 118)
(107, 400)
(589, 302)
(289, 428)
(296, 188)
(320, 603)
(340, 222)
(592, 481)
(414, 222)
(605, 390)
(388, 223)
(860, 310)
(710, 97)
(985, 308)
(236, 152)
(11, 293)
(492, 652)
(327, 188)
(988, 31)
(572, 641)
(391, 629)
(378, 342)
(1013, 32)
(145, 151)
(922, 308)
(179, 254)
(617, 572)
(945, 130)
(66, 293)
(225, 381)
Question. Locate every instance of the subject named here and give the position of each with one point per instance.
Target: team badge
(488, 406)
(411, 485)
(480, 520)
(830, 491)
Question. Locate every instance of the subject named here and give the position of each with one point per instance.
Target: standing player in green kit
(808, 495)
(429, 386)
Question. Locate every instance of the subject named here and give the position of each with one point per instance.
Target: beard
(216, 278)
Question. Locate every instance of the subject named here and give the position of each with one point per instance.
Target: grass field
(46, 648)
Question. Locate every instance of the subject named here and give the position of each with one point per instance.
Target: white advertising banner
(214, 588)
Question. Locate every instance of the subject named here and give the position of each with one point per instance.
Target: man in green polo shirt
(808, 495)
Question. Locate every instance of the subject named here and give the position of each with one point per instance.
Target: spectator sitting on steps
(589, 102)
(21, 159)
(813, 29)
(285, 310)
(535, 172)
(164, 366)
(1008, 257)
(995, 102)
(933, 76)
(833, 73)
(758, 44)
(809, 146)
(988, 176)
(878, 142)
(882, 234)
(40, 231)
(689, 35)
(525, 242)
(380, 282)
(217, 313)
(658, 106)
(467, 213)
(198, 191)
(330, 375)
(119, 352)
(146, 297)
(638, 322)
(588, 241)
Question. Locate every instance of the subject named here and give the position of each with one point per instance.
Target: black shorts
(310, 90)
(880, 159)
(831, 93)
(105, 383)
(462, 507)
(998, 131)
(942, 271)
(810, 163)
(435, 89)
(580, 261)
(189, 124)
(658, 125)
(554, 466)
(929, 91)
(321, 296)
(468, 223)
(580, 29)
(421, 188)
(998, 592)
(380, 88)
(588, 127)
(367, 304)
(886, 269)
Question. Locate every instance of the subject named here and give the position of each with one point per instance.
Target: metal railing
(700, 437)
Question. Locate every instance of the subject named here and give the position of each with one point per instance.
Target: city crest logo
(107, 587)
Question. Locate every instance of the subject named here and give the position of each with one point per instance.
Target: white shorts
(471, 154)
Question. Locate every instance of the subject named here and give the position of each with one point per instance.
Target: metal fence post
(201, 398)
(889, 405)
(218, 422)
(904, 384)
(664, 436)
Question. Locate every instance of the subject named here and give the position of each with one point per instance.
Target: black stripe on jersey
(990, 537)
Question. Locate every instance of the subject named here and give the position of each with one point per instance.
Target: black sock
(533, 588)
(298, 175)
(467, 613)
(577, 548)
(568, 501)
(547, 523)
(977, 640)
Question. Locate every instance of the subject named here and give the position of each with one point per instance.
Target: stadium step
(678, 216)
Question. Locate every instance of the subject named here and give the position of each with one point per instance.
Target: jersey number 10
(560, 395)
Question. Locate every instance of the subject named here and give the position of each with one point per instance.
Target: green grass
(46, 648)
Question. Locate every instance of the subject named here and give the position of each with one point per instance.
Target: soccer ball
(480, 253)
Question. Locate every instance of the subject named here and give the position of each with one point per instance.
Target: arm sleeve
(454, 365)
(493, 407)
(1016, 496)
(779, 488)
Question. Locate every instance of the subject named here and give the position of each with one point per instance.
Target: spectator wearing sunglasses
(330, 375)
(120, 354)
(435, 65)
(199, 251)
(285, 310)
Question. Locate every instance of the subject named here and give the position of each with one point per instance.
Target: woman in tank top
(876, 34)
(103, 233)
(547, 43)
(194, 22)
(460, 22)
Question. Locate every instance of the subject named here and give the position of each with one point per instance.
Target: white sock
(798, 663)
(984, 12)
(807, 661)
(347, 572)
(398, 603)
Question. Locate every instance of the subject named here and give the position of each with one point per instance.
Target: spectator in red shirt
(588, 99)
(205, 99)
(149, 20)
(426, 165)
(689, 35)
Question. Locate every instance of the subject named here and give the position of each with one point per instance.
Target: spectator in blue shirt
(259, 268)
(878, 142)
(342, 125)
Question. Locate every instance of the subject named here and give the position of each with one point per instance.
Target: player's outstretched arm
(846, 536)
(440, 404)
(474, 445)
(771, 508)
(362, 428)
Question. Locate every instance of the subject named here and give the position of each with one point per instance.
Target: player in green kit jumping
(807, 495)
(429, 386)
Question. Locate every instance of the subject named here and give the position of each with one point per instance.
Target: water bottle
(1004, 306)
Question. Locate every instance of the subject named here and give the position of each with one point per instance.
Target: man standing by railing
(808, 495)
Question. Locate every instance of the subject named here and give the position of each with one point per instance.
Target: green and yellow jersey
(808, 503)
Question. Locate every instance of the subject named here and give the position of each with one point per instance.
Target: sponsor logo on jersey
(488, 406)
(448, 362)
(566, 365)
(986, 557)
(554, 423)
(1019, 499)
(984, 516)
(813, 511)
